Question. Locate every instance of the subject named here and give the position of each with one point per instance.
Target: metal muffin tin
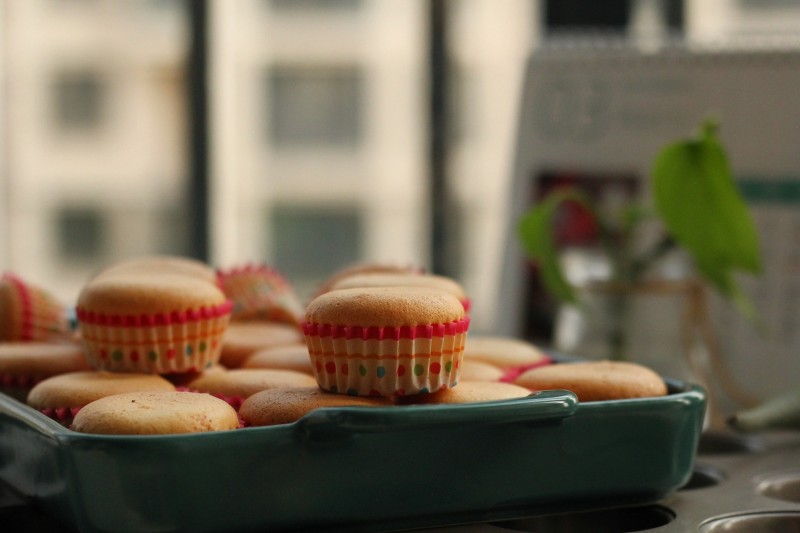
(361, 469)
(738, 485)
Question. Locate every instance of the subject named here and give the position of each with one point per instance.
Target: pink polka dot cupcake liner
(178, 342)
(386, 361)
(18, 386)
(62, 415)
(35, 315)
(259, 292)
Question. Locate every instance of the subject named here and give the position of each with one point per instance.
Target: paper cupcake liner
(511, 374)
(189, 341)
(234, 401)
(260, 292)
(38, 315)
(62, 415)
(18, 386)
(386, 361)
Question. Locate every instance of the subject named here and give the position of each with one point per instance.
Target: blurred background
(327, 132)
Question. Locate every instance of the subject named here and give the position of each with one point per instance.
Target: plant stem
(640, 265)
(617, 335)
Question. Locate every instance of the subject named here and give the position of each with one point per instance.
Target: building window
(586, 15)
(310, 243)
(79, 100)
(172, 235)
(316, 5)
(611, 16)
(315, 106)
(81, 234)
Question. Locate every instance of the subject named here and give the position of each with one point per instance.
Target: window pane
(315, 105)
(318, 5)
(79, 100)
(312, 242)
(81, 234)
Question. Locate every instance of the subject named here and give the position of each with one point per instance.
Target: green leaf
(536, 231)
(701, 207)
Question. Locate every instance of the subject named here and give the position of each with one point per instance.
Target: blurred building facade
(318, 120)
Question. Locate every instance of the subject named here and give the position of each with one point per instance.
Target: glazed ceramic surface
(361, 469)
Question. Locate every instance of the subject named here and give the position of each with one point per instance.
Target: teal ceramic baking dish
(361, 469)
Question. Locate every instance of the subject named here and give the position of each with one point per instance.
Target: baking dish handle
(544, 406)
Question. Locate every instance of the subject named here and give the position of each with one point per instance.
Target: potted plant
(698, 209)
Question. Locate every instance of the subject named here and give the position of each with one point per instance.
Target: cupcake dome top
(76, 389)
(162, 263)
(150, 413)
(402, 280)
(156, 292)
(385, 306)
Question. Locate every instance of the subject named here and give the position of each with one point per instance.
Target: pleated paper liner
(30, 313)
(259, 292)
(386, 361)
(188, 341)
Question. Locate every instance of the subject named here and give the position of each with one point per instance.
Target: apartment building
(318, 124)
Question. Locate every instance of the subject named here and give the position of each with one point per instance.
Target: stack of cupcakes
(387, 334)
(36, 340)
(141, 321)
(172, 334)
(153, 317)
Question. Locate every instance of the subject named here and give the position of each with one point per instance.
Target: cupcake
(155, 413)
(259, 292)
(284, 406)
(289, 357)
(235, 386)
(24, 364)
(404, 279)
(182, 380)
(173, 264)
(513, 356)
(61, 397)
(243, 339)
(469, 392)
(596, 380)
(29, 312)
(152, 322)
(479, 371)
(385, 340)
(365, 268)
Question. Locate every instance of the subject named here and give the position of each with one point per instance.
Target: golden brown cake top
(366, 268)
(504, 352)
(162, 263)
(155, 413)
(283, 406)
(76, 389)
(246, 382)
(152, 293)
(596, 380)
(242, 339)
(385, 306)
(383, 279)
(290, 356)
(468, 392)
(41, 358)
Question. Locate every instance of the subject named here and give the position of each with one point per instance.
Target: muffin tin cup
(156, 345)
(365, 365)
